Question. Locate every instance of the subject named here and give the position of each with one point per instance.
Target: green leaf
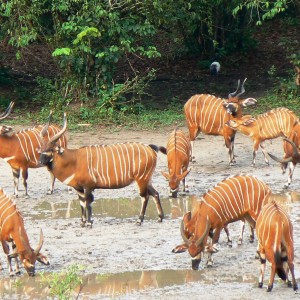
(88, 32)
(100, 54)
(62, 51)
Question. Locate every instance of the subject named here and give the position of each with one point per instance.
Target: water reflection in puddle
(120, 208)
(123, 208)
(113, 285)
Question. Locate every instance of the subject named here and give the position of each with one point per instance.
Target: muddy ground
(125, 261)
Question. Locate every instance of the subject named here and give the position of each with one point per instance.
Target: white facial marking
(197, 256)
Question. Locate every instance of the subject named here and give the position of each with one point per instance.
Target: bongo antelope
(102, 166)
(19, 150)
(12, 230)
(178, 155)
(274, 231)
(270, 125)
(208, 114)
(236, 198)
(291, 153)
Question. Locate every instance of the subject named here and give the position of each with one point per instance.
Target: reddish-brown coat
(238, 197)
(20, 149)
(272, 124)
(178, 156)
(275, 235)
(102, 166)
(13, 230)
(208, 114)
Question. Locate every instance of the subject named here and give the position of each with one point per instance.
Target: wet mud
(125, 261)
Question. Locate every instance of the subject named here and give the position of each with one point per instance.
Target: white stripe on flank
(116, 161)
(8, 203)
(124, 162)
(276, 237)
(240, 198)
(202, 102)
(196, 99)
(146, 163)
(239, 207)
(87, 160)
(31, 150)
(4, 221)
(24, 140)
(212, 208)
(20, 142)
(102, 164)
(221, 202)
(96, 168)
(215, 119)
(129, 158)
(107, 166)
(91, 148)
(133, 160)
(6, 199)
(210, 110)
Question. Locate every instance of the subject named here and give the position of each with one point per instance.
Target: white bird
(215, 68)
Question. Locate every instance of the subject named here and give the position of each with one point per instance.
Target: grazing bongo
(102, 167)
(208, 114)
(20, 150)
(274, 231)
(236, 198)
(12, 230)
(178, 155)
(270, 125)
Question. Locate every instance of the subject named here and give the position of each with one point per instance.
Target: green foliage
(47, 89)
(295, 58)
(284, 94)
(272, 71)
(262, 10)
(125, 97)
(98, 36)
(61, 51)
(151, 118)
(17, 283)
(90, 40)
(63, 284)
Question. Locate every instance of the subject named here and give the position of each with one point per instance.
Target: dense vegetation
(102, 55)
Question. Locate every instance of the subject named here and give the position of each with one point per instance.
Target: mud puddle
(95, 286)
(155, 271)
(124, 208)
(121, 208)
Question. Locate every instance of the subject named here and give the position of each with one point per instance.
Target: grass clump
(62, 284)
